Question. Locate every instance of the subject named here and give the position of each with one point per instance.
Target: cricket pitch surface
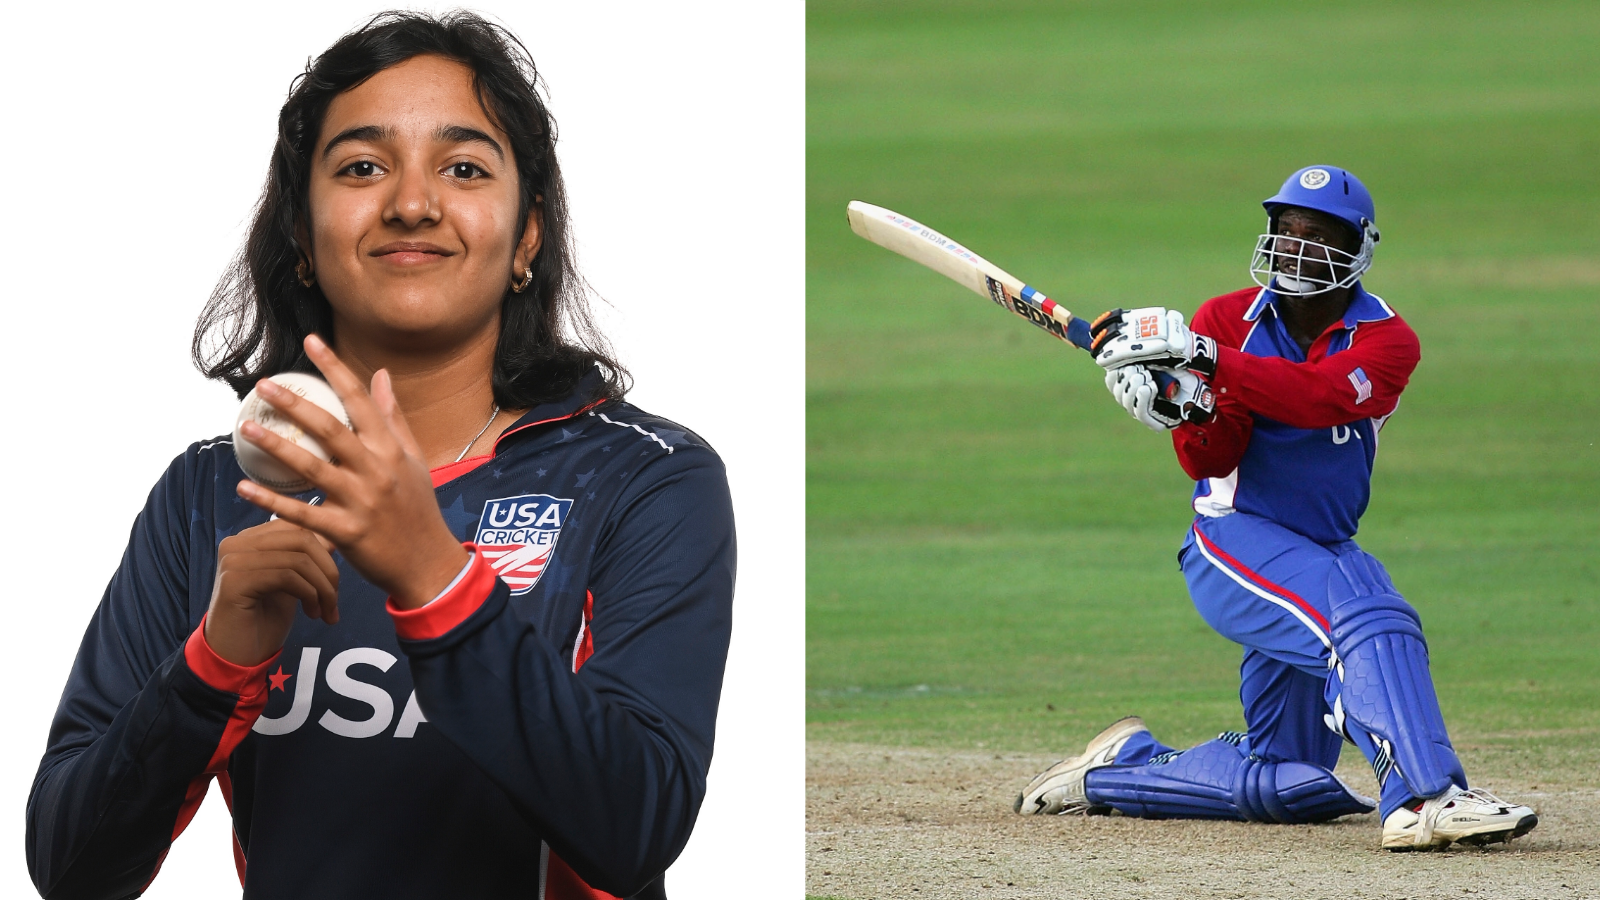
(928, 823)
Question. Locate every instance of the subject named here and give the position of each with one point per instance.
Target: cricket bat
(921, 244)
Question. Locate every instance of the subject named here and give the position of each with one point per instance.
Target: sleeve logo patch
(1359, 381)
(518, 534)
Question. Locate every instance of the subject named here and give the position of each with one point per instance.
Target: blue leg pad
(1214, 781)
(1310, 793)
(1394, 792)
(1382, 684)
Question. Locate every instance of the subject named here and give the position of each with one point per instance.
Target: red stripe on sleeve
(436, 618)
(246, 681)
(561, 883)
(250, 684)
(584, 648)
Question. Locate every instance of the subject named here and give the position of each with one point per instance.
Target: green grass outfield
(990, 540)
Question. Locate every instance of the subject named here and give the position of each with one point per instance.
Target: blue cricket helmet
(1282, 263)
(1328, 189)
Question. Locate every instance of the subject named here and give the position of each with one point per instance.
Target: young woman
(516, 586)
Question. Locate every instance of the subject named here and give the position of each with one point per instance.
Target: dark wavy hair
(259, 314)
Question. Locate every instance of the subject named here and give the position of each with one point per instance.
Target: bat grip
(1078, 333)
(1195, 413)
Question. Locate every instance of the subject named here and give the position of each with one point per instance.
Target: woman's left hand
(379, 510)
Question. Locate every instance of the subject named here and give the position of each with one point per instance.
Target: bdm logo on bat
(518, 534)
(1022, 308)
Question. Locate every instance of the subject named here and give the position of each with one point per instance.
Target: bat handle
(1078, 333)
(1077, 329)
(1197, 414)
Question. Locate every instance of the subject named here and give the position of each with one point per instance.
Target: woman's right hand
(264, 575)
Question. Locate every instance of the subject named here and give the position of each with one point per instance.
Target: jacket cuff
(438, 616)
(246, 681)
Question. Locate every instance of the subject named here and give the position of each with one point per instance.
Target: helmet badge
(1312, 179)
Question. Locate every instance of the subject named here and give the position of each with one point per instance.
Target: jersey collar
(1364, 307)
(589, 394)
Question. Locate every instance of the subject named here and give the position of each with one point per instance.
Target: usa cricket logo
(517, 535)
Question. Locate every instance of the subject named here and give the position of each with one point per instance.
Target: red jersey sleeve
(1214, 449)
(1325, 390)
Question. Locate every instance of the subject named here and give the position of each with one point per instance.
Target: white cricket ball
(259, 465)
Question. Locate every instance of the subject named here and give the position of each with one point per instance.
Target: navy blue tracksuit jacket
(541, 730)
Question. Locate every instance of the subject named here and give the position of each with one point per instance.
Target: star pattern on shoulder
(568, 436)
(583, 480)
(458, 518)
(541, 473)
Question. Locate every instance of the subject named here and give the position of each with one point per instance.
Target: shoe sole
(1523, 826)
(1114, 735)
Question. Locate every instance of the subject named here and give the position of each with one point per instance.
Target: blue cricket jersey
(1296, 432)
(542, 730)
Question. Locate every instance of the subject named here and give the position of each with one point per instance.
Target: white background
(137, 139)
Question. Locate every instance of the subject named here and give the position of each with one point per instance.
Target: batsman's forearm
(1214, 450)
(1362, 382)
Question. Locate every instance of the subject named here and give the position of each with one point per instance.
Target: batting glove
(1186, 398)
(1135, 389)
(1152, 336)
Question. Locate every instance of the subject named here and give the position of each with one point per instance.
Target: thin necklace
(492, 416)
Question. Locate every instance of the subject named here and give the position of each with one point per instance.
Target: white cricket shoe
(1471, 817)
(1059, 790)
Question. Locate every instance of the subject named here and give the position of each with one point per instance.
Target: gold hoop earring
(518, 287)
(306, 275)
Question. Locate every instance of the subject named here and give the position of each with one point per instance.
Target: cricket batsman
(1304, 371)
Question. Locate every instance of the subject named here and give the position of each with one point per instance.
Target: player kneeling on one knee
(1298, 375)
